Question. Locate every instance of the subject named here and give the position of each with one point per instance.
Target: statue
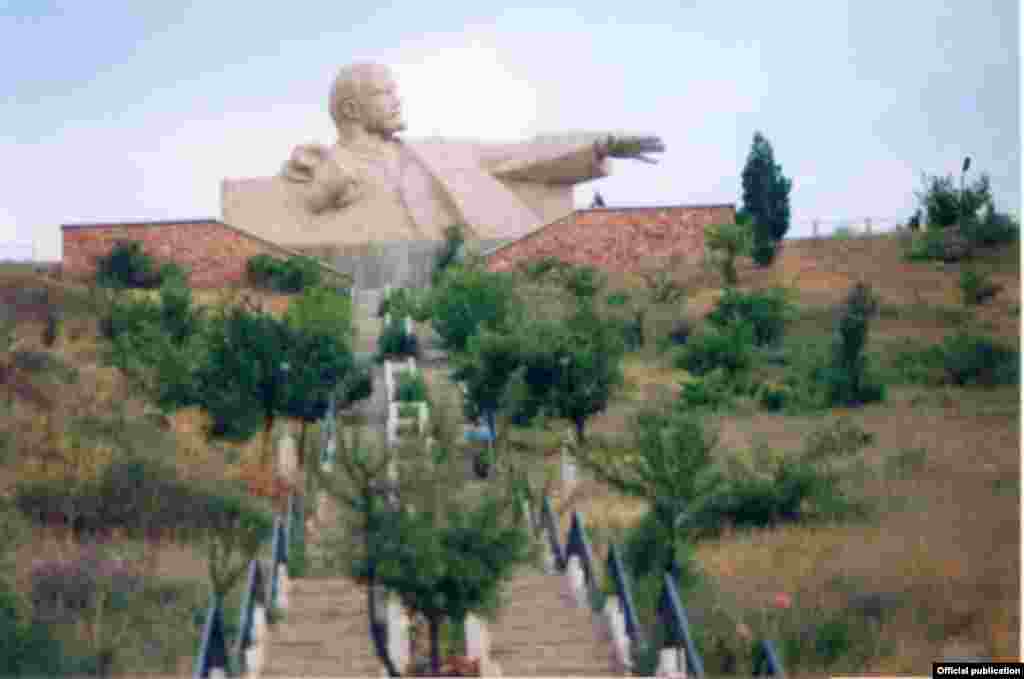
(372, 186)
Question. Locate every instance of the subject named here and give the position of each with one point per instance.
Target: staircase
(325, 632)
(541, 631)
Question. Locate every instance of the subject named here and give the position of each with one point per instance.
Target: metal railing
(213, 650)
(670, 613)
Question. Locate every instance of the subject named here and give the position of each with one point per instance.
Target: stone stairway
(325, 632)
(541, 631)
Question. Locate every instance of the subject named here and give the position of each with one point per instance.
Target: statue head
(364, 95)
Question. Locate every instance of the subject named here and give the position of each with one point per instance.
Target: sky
(122, 110)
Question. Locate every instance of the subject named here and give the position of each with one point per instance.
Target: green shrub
(767, 312)
(394, 342)
(127, 266)
(584, 281)
(617, 299)
(971, 359)
(729, 348)
(451, 253)
(410, 387)
(976, 287)
(995, 228)
(765, 489)
(283, 275)
(714, 390)
(774, 397)
(846, 378)
(467, 299)
(534, 270)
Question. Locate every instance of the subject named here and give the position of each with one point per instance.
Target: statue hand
(302, 165)
(330, 185)
(630, 146)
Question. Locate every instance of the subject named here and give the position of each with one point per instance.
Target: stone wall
(214, 253)
(617, 239)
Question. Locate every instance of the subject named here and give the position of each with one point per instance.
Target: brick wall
(214, 253)
(617, 239)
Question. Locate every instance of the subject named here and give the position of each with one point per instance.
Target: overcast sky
(126, 110)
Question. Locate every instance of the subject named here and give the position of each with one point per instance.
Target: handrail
(673, 616)
(548, 524)
(577, 544)
(625, 593)
(766, 662)
(212, 651)
(254, 594)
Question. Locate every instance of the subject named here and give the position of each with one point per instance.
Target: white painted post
(287, 458)
(478, 642)
(398, 634)
(254, 654)
(669, 664)
(867, 226)
(283, 586)
(412, 364)
(815, 225)
(577, 581)
(568, 471)
(617, 628)
(408, 325)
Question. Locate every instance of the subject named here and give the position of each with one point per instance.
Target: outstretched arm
(571, 158)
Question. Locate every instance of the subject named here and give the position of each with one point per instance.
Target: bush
(763, 488)
(535, 270)
(995, 228)
(713, 390)
(451, 253)
(127, 266)
(971, 359)
(410, 387)
(767, 312)
(976, 287)
(846, 377)
(945, 205)
(394, 342)
(617, 299)
(774, 397)
(279, 275)
(729, 348)
(584, 281)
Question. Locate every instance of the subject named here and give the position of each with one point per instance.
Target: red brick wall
(617, 239)
(214, 254)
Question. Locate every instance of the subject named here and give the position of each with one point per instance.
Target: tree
(945, 205)
(486, 368)
(243, 380)
(451, 253)
(444, 555)
(727, 241)
(470, 298)
(570, 368)
(319, 355)
(765, 199)
(847, 378)
(669, 464)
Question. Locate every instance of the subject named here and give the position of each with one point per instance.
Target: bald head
(365, 95)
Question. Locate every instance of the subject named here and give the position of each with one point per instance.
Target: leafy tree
(486, 368)
(727, 241)
(470, 298)
(127, 266)
(943, 203)
(584, 282)
(243, 380)
(669, 463)
(846, 378)
(766, 311)
(570, 368)
(283, 275)
(443, 554)
(765, 199)
(319, 354)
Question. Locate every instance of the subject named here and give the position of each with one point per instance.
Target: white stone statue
(373, 186)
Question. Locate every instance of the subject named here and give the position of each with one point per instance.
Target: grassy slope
(947, 546)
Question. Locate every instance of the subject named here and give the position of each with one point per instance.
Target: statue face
(381, 109)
